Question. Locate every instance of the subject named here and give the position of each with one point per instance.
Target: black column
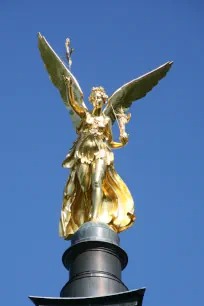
(95, 262)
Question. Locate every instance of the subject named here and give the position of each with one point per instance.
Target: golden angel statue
(94, 190)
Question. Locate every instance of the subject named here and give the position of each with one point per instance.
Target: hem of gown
(117, 206)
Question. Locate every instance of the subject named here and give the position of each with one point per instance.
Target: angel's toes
(90, 217)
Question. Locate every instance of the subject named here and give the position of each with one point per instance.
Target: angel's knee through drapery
(83, 175)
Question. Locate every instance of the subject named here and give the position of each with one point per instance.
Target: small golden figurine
(122, 120)
(94, 190)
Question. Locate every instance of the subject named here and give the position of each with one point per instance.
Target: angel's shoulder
(88, 116)
(107, 119)
(88, 113)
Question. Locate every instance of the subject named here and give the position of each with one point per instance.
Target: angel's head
(98, 97)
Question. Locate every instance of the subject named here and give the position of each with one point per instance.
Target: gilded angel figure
(94, 190)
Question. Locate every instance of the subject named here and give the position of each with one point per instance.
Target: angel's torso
(92, 141)
(94, 125)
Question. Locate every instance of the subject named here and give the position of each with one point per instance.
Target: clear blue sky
(114, 41)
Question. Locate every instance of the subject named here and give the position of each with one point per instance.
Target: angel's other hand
(124, 138)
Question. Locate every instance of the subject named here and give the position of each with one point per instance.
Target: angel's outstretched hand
(124, 138)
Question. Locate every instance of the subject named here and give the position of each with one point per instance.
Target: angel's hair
(102, 92)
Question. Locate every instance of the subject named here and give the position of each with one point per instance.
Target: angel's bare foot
(93, 218)
(90, 217)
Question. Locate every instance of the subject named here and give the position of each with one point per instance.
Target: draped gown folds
(117, 206)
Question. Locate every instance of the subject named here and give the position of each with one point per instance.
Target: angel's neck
(97, 111)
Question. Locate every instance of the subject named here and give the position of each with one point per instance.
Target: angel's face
(98, 100)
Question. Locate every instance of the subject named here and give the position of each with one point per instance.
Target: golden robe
(117, 206)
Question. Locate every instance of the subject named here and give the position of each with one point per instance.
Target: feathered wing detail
(56, 70)
(134, 90)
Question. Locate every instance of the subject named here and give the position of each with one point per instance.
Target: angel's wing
(56, 70)
(134, 90)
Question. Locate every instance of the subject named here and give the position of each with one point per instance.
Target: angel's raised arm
(59, 73)
(79, 109)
